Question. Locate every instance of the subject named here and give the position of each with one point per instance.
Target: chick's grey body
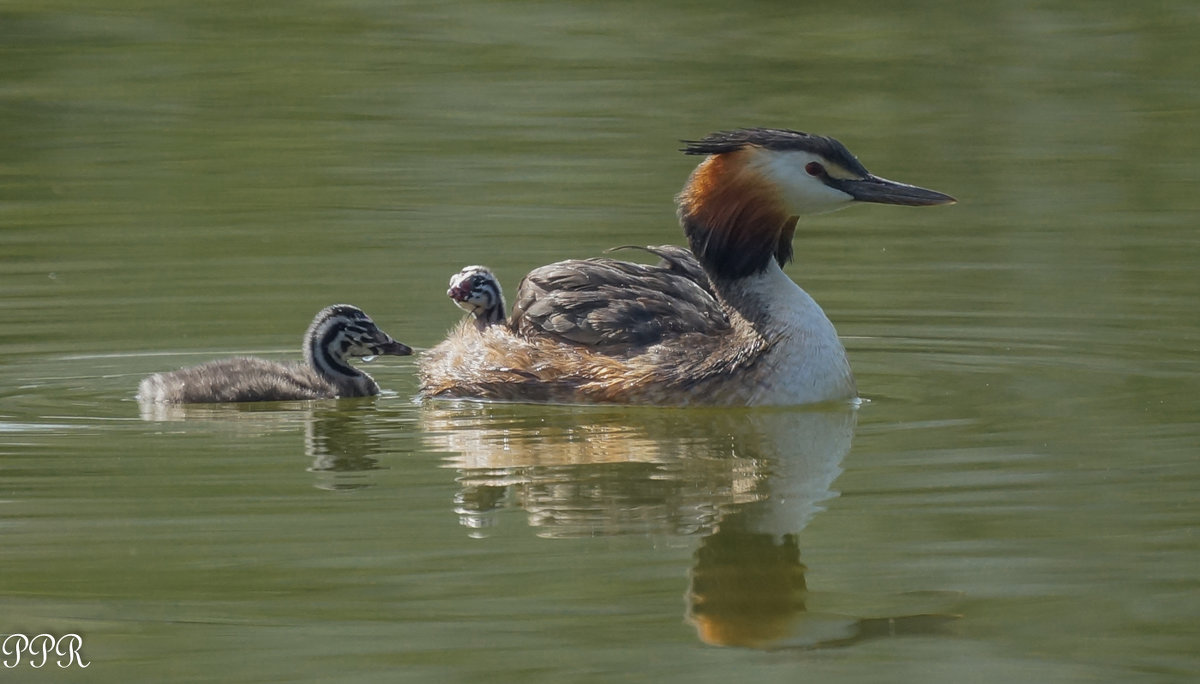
(336, 333)
(247, 379)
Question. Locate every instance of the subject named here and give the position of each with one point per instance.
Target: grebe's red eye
(814, 169)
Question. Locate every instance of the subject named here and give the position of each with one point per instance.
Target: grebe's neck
(739, 227)
(804, 361)
(489, 316)
(769, 300)
(736, 222)
(324, 352)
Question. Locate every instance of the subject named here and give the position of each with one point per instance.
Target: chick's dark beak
(392, 348)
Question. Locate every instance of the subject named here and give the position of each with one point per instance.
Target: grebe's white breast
(806, 362)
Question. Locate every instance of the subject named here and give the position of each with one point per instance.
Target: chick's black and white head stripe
(341, 331)
(476, 289)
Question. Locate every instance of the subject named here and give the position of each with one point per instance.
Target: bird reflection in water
(342, 449)
(747, 588)
(746, 482)
(588, 471)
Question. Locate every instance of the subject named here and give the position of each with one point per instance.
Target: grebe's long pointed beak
(883, 191)
(391, 348)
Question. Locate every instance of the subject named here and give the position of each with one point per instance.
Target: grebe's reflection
(747, 588)
(746, 482)
(342, 449)
(341, 446)
(590, 471)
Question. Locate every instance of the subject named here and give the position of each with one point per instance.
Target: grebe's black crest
(778, 139)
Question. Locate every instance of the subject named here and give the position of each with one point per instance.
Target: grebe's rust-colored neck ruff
(734, 218)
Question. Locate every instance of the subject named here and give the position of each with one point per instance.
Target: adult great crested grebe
(337, 333)
(720, 324)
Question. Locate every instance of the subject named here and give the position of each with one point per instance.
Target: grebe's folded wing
(603, 301)
(676, 259)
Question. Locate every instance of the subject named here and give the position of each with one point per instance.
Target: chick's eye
(814, 169)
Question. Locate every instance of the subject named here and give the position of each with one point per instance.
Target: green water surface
(1015, 501)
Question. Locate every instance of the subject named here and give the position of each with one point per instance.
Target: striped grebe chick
(337, 333)
(717, 324)
(476, 290)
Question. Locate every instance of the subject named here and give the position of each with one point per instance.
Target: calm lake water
(1016, 500)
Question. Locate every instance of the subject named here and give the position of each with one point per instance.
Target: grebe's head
(476, 290)
(342, 331)
(811, 174)
(740, 205)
